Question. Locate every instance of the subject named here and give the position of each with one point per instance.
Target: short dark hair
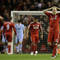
(20, 21)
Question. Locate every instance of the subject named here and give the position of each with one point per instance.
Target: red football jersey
(34, 28)
(53, 20)
(8, 26)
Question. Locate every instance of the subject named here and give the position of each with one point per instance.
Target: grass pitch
(27, 57)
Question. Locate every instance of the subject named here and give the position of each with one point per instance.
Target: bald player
(53, 35)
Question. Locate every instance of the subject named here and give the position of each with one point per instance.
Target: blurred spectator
(56, 1)
(32, 7)
(49, 4)
(27, 4)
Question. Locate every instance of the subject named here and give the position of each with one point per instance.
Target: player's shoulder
(22, 25)
(16, 25)
(31, 23)
(11, 22)
(38, 23)
(48, 13)
(7, 22)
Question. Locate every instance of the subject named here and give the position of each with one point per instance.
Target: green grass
(27, 57)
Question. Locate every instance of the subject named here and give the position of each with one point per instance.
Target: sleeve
(48, 13)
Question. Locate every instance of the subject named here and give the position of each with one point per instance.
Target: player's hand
(42, 37)
(49, 43)
(39, 41)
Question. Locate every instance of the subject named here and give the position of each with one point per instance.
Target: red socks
(9, 48)
(33, 48)
(54, 50)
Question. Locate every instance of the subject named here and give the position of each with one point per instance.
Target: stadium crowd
(6, 6)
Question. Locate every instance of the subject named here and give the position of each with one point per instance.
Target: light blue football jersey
(19, 29)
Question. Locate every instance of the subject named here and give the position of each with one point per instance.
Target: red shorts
(34, 38)
(8, 37)
(53, 36)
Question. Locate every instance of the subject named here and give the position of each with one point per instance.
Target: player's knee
(49, 43)
(20, 42)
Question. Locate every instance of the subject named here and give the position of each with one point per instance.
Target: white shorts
(18, 39)
(3, 39)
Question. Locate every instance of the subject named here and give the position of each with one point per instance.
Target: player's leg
(17, 44)
(50, 37)
(20, 44)
(10, 44)
(54, 50)
(3, 42)
(33, 45)
(56, 39)
(6, 43)
(50, 40)
(36, 42)
(19, 40)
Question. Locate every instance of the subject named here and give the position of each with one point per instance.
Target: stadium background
(6, 6)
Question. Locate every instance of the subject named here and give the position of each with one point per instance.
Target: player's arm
(28, 27)
(59, 12)
(14, 28)
(41, 32)
(58, 8)
(47, 9)
(24, 32)
(4, 29)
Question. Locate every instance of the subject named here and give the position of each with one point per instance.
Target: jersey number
(54, 18)
(8, 26)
